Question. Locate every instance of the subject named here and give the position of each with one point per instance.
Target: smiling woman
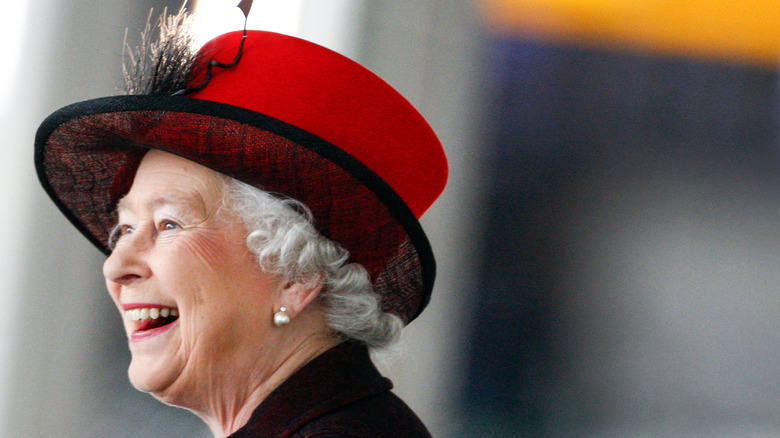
(181, 251)
(261, 226)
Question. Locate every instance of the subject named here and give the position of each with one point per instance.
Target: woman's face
(178, 253)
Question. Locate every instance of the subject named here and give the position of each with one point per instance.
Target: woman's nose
(127, 262)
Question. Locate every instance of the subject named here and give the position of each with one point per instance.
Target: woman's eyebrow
(166, 200)
(176, 200)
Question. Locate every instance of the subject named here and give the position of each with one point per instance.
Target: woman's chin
(154, 365)
(151, 376)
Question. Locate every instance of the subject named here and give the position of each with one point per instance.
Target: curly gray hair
(282, 235)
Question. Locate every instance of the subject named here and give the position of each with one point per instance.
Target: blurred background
(608, 244)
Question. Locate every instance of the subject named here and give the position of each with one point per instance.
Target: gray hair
(282, 235)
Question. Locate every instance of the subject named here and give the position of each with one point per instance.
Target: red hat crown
(334, 98)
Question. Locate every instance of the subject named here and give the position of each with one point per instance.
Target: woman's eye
(117, 233)
(167, 226)
(122, 230)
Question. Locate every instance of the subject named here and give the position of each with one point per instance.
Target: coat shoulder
(382, 415)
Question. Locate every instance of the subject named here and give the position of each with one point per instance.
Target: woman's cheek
(204, 247)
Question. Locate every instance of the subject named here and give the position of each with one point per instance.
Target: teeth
(150, 313)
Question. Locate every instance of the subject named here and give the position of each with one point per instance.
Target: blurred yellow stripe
(746, 30)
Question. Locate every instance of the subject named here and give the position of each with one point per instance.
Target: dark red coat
(338, 394)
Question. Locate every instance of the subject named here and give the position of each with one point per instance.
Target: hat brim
(86, 156)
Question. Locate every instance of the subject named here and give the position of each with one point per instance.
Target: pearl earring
(281, 318)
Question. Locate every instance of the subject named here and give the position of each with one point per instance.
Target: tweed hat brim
(86, 156)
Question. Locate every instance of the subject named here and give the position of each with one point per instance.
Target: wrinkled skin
(178, 248)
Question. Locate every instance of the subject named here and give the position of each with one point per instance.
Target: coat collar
(334, 379)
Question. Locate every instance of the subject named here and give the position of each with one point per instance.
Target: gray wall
(430, 50)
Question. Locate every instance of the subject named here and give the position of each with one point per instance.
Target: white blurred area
(212, 17)
(64, 358)
(11, 114)
(331, 23)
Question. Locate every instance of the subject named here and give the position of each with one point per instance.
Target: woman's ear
(297, 296)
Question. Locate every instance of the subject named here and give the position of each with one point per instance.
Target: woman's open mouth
(151, 320)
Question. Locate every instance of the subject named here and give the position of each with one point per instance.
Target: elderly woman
(259, 203)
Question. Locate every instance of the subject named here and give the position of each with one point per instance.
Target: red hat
(291, 117)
